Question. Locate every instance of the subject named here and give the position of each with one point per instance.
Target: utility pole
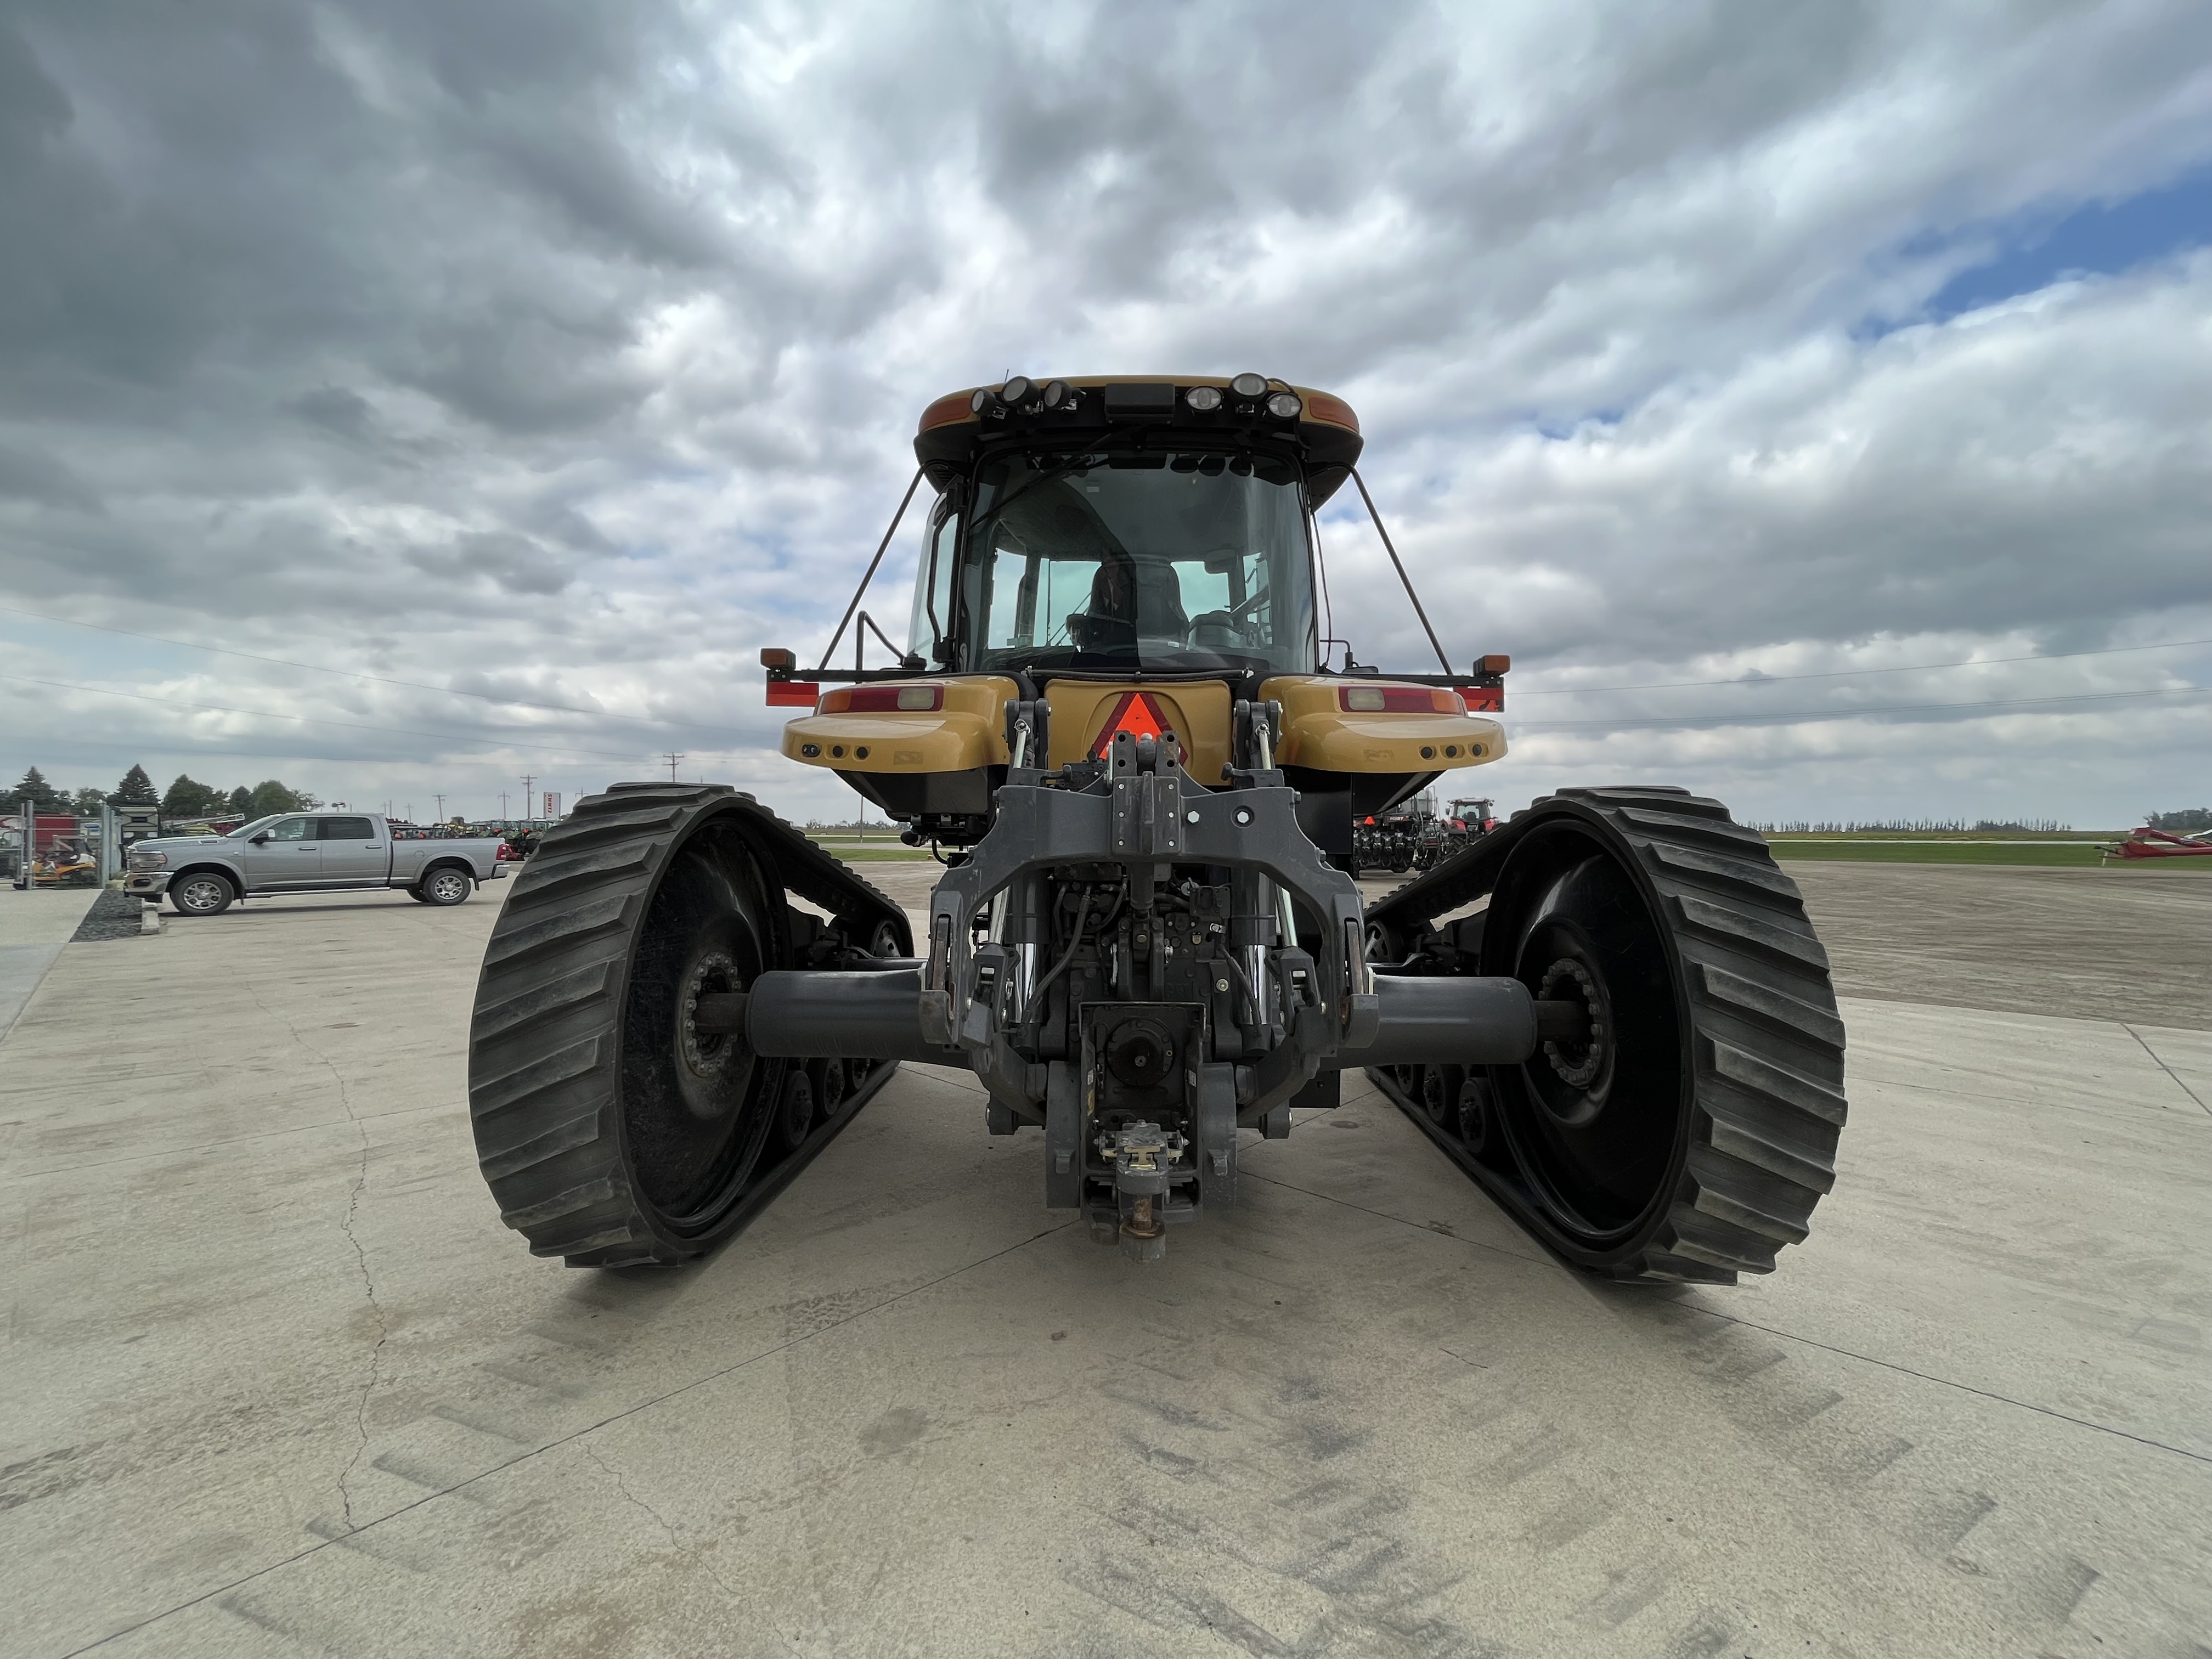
(529, 811)
(503, 805)
(440, 800)
(672, 760)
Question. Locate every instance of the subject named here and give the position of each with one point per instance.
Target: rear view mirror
(261, 838)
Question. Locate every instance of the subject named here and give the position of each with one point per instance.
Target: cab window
(293, 830)
(349, 830)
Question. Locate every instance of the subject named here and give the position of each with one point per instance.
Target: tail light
(1397, 700)
(884, 700)
(792, 694)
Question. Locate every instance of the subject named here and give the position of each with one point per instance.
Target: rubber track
(544, 1045)
(1767, 1045)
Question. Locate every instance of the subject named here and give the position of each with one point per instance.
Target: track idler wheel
(1680, 1116)
(616, 1121)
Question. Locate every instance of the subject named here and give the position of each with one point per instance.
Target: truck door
(285, 854)
(354, 852)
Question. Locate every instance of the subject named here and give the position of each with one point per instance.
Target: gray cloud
(581, 343)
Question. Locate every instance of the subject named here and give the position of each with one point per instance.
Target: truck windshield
(1151, 560)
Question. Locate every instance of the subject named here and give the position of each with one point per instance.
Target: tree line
(185, 797)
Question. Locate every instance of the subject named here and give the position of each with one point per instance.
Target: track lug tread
(584, 1195)
(1662, 1264)
(1789, 1016)
(530, 942)
(1768, 1043)
(1750, 1198)
(566, 1135)
(548, 1000)
(1765, 1078)
(1667, 797)
(1748, 878)
(1720, 1243)
(543, 1095)
(1748, 931)
(528, 1083)
(1757, 1143)
(554, 878)
(574, 1245)
(1688, 831)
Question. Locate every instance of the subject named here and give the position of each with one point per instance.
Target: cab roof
(1318, 427)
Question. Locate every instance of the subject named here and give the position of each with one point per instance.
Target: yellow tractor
(1115, 722)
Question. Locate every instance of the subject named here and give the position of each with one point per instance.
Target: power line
(311, 720)
(1844, 673)
(1638, 722)
(355, 674)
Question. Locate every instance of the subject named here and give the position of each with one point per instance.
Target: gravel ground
(114, 914)
(2128, 944)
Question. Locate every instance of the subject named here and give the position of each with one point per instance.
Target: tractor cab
(1128, 555)
(1116, 561)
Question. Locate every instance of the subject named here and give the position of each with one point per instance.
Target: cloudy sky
(403, 397)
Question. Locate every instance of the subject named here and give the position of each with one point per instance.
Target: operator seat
(1129, 598)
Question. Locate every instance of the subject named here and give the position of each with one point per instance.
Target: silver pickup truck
(307, 852)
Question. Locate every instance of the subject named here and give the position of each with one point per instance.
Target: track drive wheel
(1690, 1132)
(610, 1129)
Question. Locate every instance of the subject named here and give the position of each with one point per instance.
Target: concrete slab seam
(2165, 1068)
(360, 1255)
(1963, 1388)
(321, 1545)
(10, 1017)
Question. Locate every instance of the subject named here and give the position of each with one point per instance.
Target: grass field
(875, 849)
(2060, 852)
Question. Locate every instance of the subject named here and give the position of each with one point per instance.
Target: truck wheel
(202, 893)
(444, 885)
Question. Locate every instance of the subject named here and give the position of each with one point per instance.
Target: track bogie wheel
(1439, 1092)
(794, 1112)
(830, 1081)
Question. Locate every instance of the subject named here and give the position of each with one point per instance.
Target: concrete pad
(279, 1382)
(2092, 1066)
(2185, 1054)
(42, 915)
(33, 927)
(21, 968)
